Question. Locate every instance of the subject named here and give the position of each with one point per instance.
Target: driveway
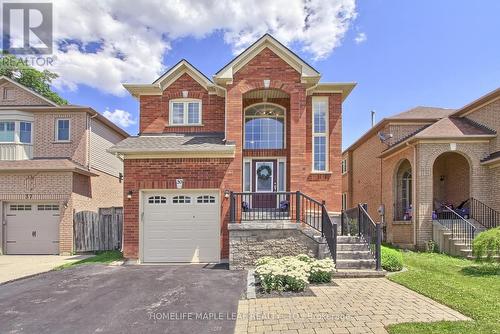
(16, 266)
(124, 299)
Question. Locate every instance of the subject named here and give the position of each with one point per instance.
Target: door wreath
(264, 172)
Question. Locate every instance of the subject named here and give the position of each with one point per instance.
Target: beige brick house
(422, 160)
(53, 162)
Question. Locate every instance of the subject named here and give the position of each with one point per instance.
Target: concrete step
(355, 264)
(351, 247)
(354, 255)
(345, 239)
(359, 273)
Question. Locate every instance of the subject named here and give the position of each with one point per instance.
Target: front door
(265, 182)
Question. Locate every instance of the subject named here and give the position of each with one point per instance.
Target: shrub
(291, 273)
(487, 244)
(392, 259)
(321, 271)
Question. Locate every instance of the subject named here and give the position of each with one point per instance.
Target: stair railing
(482, 213)
(358, 220)
(461, 229)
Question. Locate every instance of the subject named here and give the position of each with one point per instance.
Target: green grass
(100, 257)
(472, 289)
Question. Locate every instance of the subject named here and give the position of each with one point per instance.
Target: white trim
(185, 102)
(344, 201)
(344, 166)
(250, 160)
(326, 134)
(56, 132)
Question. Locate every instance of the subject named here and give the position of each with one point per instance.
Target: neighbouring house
(262, 129)
(427, 166)
(53, 162)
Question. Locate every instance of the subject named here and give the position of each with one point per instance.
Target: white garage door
(32, 228)
(181, 226)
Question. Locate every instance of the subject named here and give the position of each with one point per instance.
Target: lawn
(470, 288)
(100, 257)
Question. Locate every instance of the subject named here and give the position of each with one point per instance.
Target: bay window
(15, 132)
(320, 133)
(7, 132)
(185, 112)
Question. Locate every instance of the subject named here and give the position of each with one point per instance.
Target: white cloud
(128, 38)
(360, 38)
(121, 117)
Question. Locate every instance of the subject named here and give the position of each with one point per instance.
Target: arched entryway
(451, 180)
(403, 208)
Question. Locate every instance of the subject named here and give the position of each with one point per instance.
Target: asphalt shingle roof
(172, 143)
(423, 113)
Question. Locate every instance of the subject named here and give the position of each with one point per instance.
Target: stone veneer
(251, 240)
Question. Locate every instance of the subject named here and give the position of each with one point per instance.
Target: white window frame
(17, 131)
(185, 102)
(57, 130)
(325, 134)
(344, 166)
(344, 201)
(251, 178)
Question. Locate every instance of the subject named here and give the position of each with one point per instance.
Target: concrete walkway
(13, 267)
(361, 305)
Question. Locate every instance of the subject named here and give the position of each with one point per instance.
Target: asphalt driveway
(124, 299)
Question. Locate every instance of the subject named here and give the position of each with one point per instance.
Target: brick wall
(489, 115)
(45, 145)
(19, 97)
(155, 108)
(93, 192)
(161, 174)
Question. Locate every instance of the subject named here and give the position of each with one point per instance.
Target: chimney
(373, 118)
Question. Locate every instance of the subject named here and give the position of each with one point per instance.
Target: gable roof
(169, 77)
(416, 114)
(307, 72)
(27, 89)
(423, 113)
(451, 127)
(485, 99)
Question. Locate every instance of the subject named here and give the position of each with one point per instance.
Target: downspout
(225, 111)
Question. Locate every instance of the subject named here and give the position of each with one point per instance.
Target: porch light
(226, 193)
(267, 83)
(129, 195)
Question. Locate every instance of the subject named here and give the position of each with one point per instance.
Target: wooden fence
(97, 231)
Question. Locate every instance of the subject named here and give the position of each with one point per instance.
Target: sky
(401, 54)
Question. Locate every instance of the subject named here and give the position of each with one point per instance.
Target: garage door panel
(182, 228)
(32, 228)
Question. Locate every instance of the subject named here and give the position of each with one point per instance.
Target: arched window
(264, 126)
(406, 188)
(404, 192)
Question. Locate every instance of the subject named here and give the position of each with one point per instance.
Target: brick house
(423, 160)
(250, 129)
(53, 162)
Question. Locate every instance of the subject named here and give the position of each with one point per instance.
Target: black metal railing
(357, 220)
(482, 213)
(402, 212)
(291, 206)
(461, 229)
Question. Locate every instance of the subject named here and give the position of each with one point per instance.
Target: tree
(18, 70)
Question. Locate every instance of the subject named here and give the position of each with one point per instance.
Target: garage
(32, 228)
(181, 226)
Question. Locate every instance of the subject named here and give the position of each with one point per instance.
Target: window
(7, 130)
(8, 93)
(247, 178)
(62, 130)
(344, 166)
(320, 133)
(48, 207)
(264, 126)
(205, 199)
(25, 132)
(185, 112)
(281, 176)
(182, 199)
(157, 200)
(20, 207)
(344, 201)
